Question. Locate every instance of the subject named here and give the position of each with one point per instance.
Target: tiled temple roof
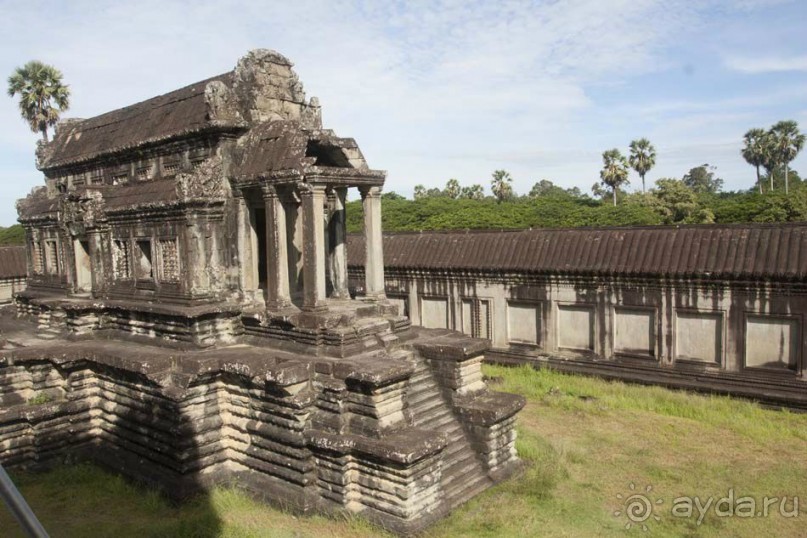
(736, 251)
(12, 262)
(157, 119)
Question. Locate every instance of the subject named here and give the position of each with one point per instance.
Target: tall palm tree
(42, 95)
(501, 185)
(754, 151)
(788, 142)
(614, 171)
(770, 158)
(642, 157)
(453, 188)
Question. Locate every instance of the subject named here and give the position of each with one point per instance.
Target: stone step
(459, 492)
(387, 339)
(421, 397)
(463, 473)
(437, 416)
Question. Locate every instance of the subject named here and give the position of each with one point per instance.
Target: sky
(436, 90)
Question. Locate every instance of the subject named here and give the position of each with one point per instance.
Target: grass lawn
(586, 441)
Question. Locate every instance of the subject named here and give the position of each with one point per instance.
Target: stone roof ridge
(262, 88)
(157, 101)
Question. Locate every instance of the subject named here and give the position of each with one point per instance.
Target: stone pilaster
(337, 254)
(374, 264)
(313, 201)
(242, 239)
(100, 272)
(277, 269)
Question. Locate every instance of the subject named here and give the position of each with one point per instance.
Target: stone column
(277, 269)
(338, 248)
(244, 264)
(374, 259)
(99, 270)
(313, 197)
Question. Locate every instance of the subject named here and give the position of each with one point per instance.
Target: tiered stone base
(401, 434)
(200, 325)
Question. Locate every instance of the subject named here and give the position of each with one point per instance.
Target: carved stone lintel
(81, 212)
(205, 182)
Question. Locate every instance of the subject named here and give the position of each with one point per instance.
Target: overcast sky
(434, 90)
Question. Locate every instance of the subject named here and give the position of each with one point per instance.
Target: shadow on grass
(84, 500)
(145, 440)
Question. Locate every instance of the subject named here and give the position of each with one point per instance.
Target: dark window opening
(326, 155)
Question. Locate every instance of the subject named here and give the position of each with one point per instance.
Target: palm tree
(787, 143)
(754, 151)
(452, 189)
(614, 171)
(642, 157)
(770, 158)
(501, 186)
(42, 95)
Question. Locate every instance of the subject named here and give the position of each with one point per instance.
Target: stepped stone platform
(400, 433)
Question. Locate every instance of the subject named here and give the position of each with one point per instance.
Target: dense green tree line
(693, 199)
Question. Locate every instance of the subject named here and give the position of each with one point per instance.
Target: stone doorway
(81, 248)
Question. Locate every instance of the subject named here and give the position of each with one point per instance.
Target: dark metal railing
(19, 508)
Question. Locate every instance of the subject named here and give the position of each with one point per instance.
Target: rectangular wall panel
(434, 312)
(699, 336)
(771, 342)
(635, 331)
(484, 320)
(523, 322)
(467, 316)
(576, 327)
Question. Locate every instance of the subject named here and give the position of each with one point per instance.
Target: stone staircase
(50, 323)
(463, 473)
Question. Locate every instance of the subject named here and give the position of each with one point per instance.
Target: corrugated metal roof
(12, 262)
(757, 251)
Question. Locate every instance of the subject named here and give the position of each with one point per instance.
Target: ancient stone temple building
(220, 198)
(207, 226)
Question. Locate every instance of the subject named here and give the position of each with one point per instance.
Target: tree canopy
(754, 150)
(642, 157)
(701, 179)
(502, 185)
(786, 143)
(614, 172)
(43, 96)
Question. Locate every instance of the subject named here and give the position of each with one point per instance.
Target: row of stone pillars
(313, 197)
